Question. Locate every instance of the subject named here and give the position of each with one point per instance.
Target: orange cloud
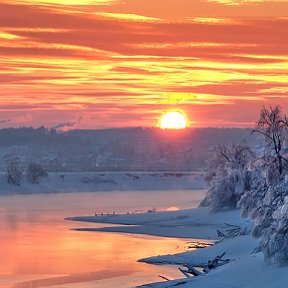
(119, 67)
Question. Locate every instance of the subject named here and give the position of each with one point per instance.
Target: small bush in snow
(34, 172)
(13, 173)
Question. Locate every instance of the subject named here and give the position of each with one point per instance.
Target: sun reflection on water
(40, 250)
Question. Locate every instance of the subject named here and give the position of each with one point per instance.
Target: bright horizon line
(129, 127)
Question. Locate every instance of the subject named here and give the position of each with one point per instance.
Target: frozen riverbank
(105, 181)
(245, 269)
(195, 223)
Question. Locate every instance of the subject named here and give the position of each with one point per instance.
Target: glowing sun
(173, 120)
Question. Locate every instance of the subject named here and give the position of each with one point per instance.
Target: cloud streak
(126, 67)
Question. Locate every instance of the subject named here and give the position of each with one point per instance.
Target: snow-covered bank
(245, 270)
(105, 181)
(195, 223)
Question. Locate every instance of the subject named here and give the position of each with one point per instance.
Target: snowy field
(105, 181)
(245, 269)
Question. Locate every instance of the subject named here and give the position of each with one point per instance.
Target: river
(39, 249)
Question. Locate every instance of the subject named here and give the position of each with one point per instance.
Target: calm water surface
(37, 249)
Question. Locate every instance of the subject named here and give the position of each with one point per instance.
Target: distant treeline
(114, 149)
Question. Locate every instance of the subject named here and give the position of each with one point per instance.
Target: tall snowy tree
(266, 202)
(273, 125)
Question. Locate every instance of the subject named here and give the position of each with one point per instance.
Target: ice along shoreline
(244, 268)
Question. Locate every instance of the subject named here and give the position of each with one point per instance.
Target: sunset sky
(106, 63)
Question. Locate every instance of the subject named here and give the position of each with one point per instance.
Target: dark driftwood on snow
(216, 262)
(186, 273)
(190, 270)
(163, 277)
(211, 264)
(232, 231)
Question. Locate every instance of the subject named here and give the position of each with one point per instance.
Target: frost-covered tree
(266, 202)
(261, 176)
(271, 163)
(272, 124)
(13, 173)
(260, 182)
(227, 177)
(34, 172)
(270, 166)
(276, 237)
(271, 223)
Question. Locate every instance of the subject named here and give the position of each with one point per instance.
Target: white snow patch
(105, 181)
